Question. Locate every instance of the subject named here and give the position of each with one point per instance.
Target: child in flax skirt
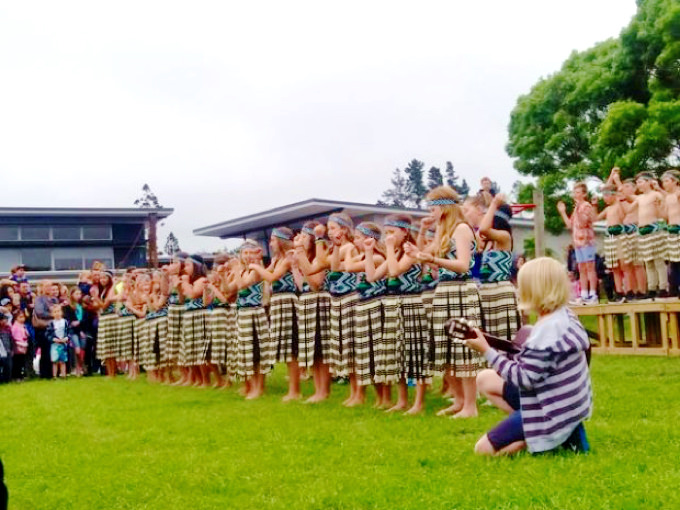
(310, 264)
(456, 295)
(283, 306)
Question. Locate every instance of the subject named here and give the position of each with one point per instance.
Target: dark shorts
(509, 430)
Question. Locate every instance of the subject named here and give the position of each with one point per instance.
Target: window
(66, 264)
(9, 233)
(66, 233)
(97, 232)
(38, 259)
(35, 233)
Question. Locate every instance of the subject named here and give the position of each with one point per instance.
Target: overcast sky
(229, 108)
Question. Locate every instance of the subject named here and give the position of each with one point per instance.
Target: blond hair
(452, 216)
(344, 221)
(543, 285)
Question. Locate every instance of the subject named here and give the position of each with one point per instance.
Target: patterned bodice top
(446, 274)
(109, 310)
(341, 282)
(406, 283)
(161, 312)
(193, 304)
(369, 290)
(496, 266)
(216, 303)
(173, 298)
(250, 296)
(125, 312)
(285, 284)
(429, 280)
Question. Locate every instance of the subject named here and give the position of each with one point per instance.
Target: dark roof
(297, 212)
(90, 212)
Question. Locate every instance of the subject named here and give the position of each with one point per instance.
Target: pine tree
(434, 177)
(414, 182)
(451, 177)
(397, 195)
(171, 245)
(463, 190)
(148, 200)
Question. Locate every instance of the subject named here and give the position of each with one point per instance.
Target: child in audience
(6, 349)
(58, 338)
(20, 339)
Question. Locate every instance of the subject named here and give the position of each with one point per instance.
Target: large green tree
(615, 104)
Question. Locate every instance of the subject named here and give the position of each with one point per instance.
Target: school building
(62, 240)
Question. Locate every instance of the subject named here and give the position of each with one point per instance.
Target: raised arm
(562, 209)
(271, 275)
(486, 229)
(373, 273)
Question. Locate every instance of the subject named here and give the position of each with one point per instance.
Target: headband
(197, 258)
(441, 201)
(368, 232)
(180, 257)
(502, 215)
(672, 175)
(647, 176)
(340, 221)
(398, 224)
(250, 244)
(110, 273)
(281, 234)
(308, 231)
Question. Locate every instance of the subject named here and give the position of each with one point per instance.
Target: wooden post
(152, 256)
(539, 223)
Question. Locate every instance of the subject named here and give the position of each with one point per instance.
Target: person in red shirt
(581, 225)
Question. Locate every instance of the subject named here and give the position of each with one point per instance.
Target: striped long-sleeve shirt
(552, 375)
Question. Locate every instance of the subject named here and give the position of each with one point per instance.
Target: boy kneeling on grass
(546, 386)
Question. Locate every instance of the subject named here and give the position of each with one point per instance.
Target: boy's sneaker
(576, 302)
(577, 442)
(630, 297)
(592, 300)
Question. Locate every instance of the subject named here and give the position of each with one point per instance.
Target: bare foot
(289, 397)
(357, 402)
(414, 410)
(254, 395)
(464, 413)
(448, 411)
(397, 407)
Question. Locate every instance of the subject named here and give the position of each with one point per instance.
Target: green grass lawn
(95, 443)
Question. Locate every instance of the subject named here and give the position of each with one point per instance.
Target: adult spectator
(41, 318)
